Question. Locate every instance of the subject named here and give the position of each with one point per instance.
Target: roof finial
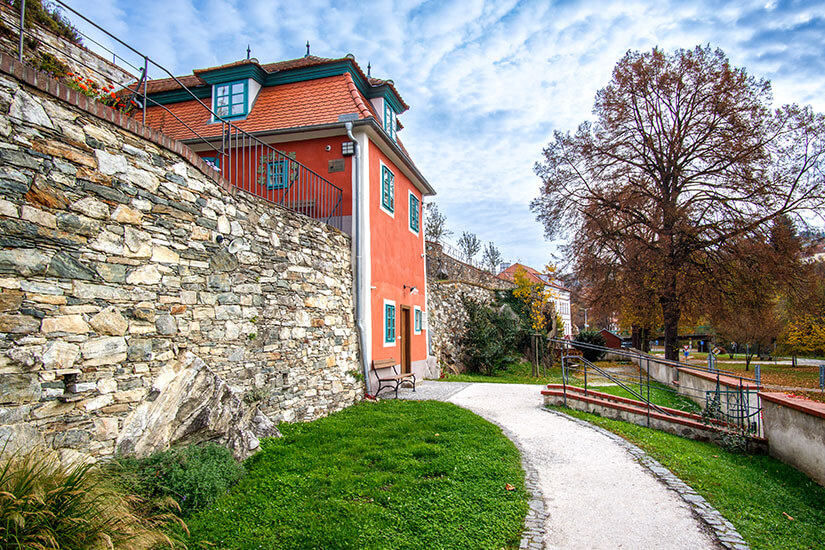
(307, 55)
(369, 69)
(248, 51)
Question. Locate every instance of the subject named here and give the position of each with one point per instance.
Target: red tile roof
(532, 274)
(191, 81)
(294, 105)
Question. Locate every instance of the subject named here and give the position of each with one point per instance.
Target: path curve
(597, 496)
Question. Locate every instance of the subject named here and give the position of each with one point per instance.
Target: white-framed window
(418, 320)
(389, 323)
(387, 190)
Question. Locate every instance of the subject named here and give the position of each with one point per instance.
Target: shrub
(44, 505)
(591, 337)
(490, 339)
(194, 476)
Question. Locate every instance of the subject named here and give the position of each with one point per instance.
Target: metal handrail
(245, 161)
(742, 415)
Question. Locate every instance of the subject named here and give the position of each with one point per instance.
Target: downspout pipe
(358, 232)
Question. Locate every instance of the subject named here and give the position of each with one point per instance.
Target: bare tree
(491, 257)
(686, 157)
(435, 225)
(469, 244)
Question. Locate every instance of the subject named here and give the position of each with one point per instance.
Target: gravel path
(596, 495)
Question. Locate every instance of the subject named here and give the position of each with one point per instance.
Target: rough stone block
(19, 388)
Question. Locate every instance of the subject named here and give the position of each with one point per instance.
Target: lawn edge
(722, 529)
(532, 536)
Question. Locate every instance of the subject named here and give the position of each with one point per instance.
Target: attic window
(390, 124)
(230, 99)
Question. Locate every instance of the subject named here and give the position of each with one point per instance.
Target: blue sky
(487, 82)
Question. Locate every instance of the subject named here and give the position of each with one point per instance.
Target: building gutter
(358, 231)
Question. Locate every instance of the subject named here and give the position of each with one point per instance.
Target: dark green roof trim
(177, 96)
(387, 93)
(238, 72)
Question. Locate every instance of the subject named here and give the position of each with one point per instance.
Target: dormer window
(390, 124)
(231, 99)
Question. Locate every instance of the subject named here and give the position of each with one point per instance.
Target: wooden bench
(393, 380)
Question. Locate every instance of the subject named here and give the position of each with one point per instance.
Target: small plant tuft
(194, 476)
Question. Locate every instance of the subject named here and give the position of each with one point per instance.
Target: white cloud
(487, 81)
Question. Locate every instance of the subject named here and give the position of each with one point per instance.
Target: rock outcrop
(191, 404)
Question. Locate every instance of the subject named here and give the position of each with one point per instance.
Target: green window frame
(231, 99)
(387, 189)
(390, 122)
(418, 320)
(276, 174)
(389, 323)
(415, 208)
(214, 161)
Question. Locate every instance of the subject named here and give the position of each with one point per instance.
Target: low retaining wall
(676, 422)
(795, 429)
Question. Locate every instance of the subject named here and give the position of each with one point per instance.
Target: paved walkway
(597, 496)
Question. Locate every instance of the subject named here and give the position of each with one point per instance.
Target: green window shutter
(414, 213)
(389, 322)
(387, 189)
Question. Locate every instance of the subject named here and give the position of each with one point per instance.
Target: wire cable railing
(244, 160)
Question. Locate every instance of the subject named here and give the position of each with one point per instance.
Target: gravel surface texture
(596, 495)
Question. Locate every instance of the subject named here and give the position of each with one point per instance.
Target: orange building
(320, 137)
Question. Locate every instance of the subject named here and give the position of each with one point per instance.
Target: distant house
(320, 137)
(611, 339)
(561, 295)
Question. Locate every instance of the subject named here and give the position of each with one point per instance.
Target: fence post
(145, 85)
(757, 370)
(822, 377)
(22, 30)
(564, 373)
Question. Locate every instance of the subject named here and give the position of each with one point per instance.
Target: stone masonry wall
(110, 270)
(447, 280)
(447, 318)
(442, 267)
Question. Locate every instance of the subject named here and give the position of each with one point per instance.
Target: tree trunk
(670, 316)
(636, 337)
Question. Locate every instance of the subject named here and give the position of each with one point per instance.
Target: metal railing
(244, 160)
(730, 404)
(457, 254)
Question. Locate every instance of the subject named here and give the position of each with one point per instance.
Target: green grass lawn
(517, 372)
(752, 491)
(394, 474)
(659, 395)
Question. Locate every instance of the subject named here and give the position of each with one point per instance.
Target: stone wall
(80, 60)
(448, 280)
(441, 267)
(115, 264)
(446, 318)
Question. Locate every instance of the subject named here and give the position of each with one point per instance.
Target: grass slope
(659, 395)
(517, 372)
(394, 474)
(752, 491)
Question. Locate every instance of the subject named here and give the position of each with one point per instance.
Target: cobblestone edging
(722, 529)
(533, 536)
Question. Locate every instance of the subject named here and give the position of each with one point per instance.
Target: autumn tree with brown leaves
(686, 157)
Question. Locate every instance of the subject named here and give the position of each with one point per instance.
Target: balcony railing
(243, 160)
